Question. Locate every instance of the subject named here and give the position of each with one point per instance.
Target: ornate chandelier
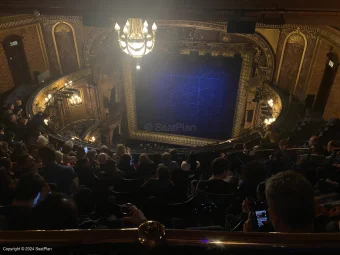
(135, 40)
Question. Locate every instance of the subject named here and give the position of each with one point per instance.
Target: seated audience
(271, 135)
(120, 151)
(146, 167)
(290, 199)
(191, 164)
(92, 155)
(29, 191)
(56, 212)
(9, 110)
(59, 157)
(25, 164)
(6, 187)
(85, 174)
(68, 158)
(252, 175)
(167, 162)
(110, 173)
(63, 176)
(216, 183)
(19, 149)
(162, 188)
(126, 166)
(42, 141)
(2, 132)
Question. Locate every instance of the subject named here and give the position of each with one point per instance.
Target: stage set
(198, 85)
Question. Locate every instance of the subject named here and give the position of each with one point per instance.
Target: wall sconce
(68, 84)
(75, 100)
(48, 98)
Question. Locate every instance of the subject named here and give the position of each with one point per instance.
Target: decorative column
(247, 63)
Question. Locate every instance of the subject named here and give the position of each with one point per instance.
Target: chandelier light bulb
(49, 96)
(146, 24)
(125, 30)
(138, 67)
(127, 23)
(145, 30)
(46, 99)
(117, 27)
(154, 27)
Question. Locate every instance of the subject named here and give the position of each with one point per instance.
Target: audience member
(216, 183)
(191, 164)
(56, 212)
(252, 175)
(63, 176)
(25, 164)
(85, 174)
(146, 168)
(29, 191)
(167, 162)
(59, 157)
(290, 198)
(127, 167)
(162, 188)
(120, 151)
(6, 187)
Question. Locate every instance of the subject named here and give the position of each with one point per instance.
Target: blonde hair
(120, 150)
(59, 157)
(102, 157)
(42, 141)
(143, 158)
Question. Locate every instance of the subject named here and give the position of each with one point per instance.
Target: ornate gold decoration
(62, 28)
(89, 41)
(242, 94)
(297, 33)
(134, 133)
(296, 38)
(17, 21)
(39, 99)
(256, 38)
(64, 23)
(43, 46)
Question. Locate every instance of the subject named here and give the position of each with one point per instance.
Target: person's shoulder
(65, 168)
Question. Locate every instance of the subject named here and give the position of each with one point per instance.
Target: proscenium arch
(55, 43)
(301, 60)
(255, 38)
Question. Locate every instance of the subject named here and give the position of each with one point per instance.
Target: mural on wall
(66, 48)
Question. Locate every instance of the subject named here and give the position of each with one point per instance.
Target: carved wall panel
(65, 46)
(48, 23)
(319, 67)
(102, 54)
(34, 49)
(333, 104)
(6, 81)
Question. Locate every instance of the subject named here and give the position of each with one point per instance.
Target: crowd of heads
(49, 185)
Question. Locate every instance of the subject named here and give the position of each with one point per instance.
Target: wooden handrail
(173, 237)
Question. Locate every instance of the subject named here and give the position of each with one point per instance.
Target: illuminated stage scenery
(188, 94)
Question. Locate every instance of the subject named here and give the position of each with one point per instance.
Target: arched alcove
(66, 48)
(292, 57)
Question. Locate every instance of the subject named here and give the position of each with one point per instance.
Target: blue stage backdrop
(187, 94)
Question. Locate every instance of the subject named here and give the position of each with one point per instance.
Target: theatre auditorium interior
(166, 127)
